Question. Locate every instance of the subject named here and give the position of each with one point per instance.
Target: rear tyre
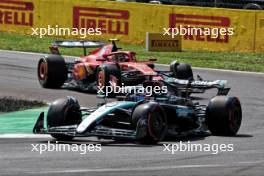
(62, 112)
(224, 115)
(108, 75)
(52, 71)
(150, 122)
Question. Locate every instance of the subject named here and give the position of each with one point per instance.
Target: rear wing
(203, 85)
(75, 44)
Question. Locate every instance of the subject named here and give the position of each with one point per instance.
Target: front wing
(71, 130)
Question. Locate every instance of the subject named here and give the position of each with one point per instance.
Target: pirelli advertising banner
(241, 22)
(130, 22)
(17, 16)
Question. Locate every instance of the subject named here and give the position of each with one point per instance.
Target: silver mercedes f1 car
(146, 119)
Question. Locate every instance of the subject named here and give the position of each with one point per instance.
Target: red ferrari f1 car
(105, 66)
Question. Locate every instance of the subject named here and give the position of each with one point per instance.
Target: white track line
(14, 135)
(198, 68)
(22, 52)
(31, 53)
(220, 70)
(151, 168)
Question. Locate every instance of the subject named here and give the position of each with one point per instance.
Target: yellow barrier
(242, 22)
(259, 34)
(130, 21)
(16, 16)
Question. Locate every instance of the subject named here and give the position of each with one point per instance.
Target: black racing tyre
(224, 115)
(52, 71)
(62, 112)
(108, 75)
(252, 6)
(181, 70)
(150, 122)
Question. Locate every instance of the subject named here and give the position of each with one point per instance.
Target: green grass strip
(19, 121)
(220, 60)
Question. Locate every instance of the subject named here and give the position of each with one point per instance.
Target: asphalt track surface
(18, 78)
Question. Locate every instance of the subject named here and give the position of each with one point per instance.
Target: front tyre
(224, 115)
(52, 71)
(63, 112)
(108, 75)
(150, 122)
